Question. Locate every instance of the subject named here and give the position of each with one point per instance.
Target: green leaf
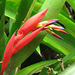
(6, 38)
(67, 44)
(37, 6)
(2, 40)
(10, 13)
(56, 44)
(66, 58)
(69, 25)
(10, 23)
(64, 9)
(44, 71)
(54, 8)
(66, 15)
(35, 67)
(41, 1)
(16, 1)
(47, 71)
(72, 3)
(21, 14)
(30, 10)
(11, 8)
(24, 53)
(69, 71)
(64, 20)
(38, 50)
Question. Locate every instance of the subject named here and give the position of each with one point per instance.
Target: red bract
(31, 23)
(7, 53)
(26, 40)
(17, 42)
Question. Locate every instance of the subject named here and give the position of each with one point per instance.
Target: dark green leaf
(41, 1)
(44, 71)
(35, 67)
(21, 14)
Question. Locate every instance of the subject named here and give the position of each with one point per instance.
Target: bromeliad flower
(17, 42)
(20, 40)
(49, 26)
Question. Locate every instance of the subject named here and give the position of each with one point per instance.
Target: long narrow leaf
(51, 42)
(35, 67)
(54, 8)
(69, 25)
(21, 14)
(11, 8)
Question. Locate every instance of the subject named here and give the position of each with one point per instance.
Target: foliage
(41, 54)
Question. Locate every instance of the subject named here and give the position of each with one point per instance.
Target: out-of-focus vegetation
(45, 54)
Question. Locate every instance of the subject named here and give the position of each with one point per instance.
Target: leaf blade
(35, 67)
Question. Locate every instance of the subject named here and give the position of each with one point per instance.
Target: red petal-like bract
(49, 22)
(26, 40)
(56, 27)
(31, 23)
(14, 44)
(54, 34)
(7, 53)
(62, 31)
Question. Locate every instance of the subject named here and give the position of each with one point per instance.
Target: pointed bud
(60, 30)
(54, 34)
(55, 26)
(49, 31)
(53, 21)
(49, 22)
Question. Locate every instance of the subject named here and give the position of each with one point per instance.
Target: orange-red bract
(26, 40)
(7, 53)
(14, 44)
(31, 23)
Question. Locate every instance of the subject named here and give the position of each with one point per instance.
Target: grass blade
(35, 67)
(69, 25)
(21, 14)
